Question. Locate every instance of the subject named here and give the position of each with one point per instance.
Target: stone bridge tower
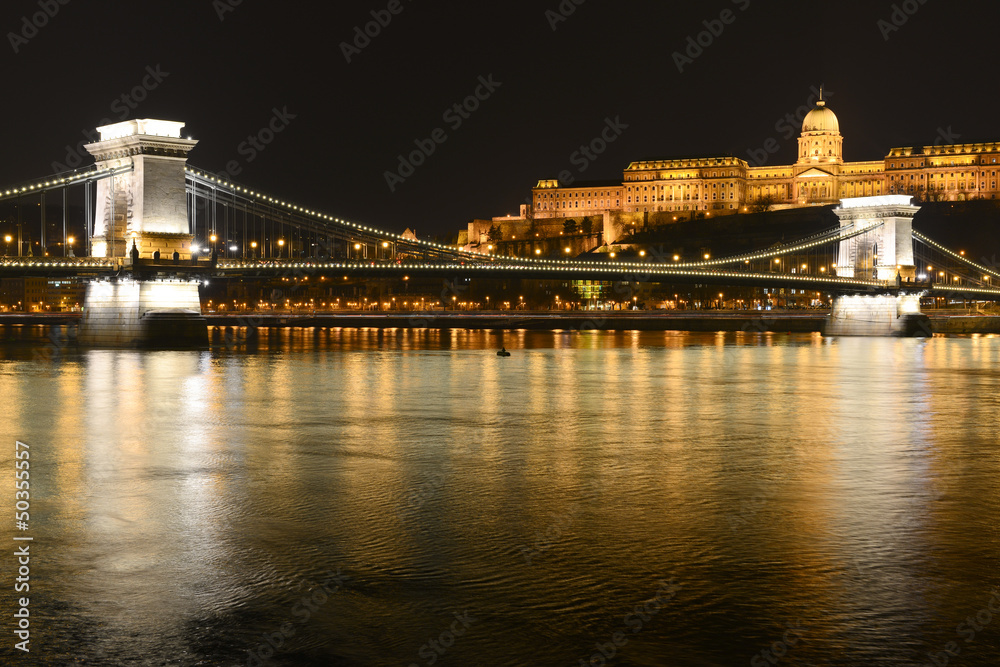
(880, 254)
(888, 248)
(148, 204)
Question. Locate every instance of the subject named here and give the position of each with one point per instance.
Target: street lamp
(281, 246)
(253, 249)
(7, 239)
(69, 246)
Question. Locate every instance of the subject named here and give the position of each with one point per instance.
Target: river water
(356, 497)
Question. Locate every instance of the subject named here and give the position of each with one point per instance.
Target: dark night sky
(606, 60)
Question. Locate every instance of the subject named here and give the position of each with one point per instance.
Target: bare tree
(761, 204)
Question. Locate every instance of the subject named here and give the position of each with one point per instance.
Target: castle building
(819, 176)
(722, 185)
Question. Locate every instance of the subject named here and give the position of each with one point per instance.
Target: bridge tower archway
(888, 248)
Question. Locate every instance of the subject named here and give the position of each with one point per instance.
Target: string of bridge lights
(321, 216)
(64, 262)
(69, 180)
(229, 265)
(976, 290)
(931, 242)
(771, 253)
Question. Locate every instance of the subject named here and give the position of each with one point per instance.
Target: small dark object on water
(502, 352)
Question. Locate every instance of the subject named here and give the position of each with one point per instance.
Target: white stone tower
(148, 204)
(888, 248)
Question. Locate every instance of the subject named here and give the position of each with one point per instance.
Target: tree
(761, 204)
(587, 226)
(569, 227)
(494, 235)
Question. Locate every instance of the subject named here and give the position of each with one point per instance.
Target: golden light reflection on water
(833, 480)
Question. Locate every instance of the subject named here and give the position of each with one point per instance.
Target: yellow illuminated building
(819, 176)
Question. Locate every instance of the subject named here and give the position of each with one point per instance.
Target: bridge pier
(143, 211)
(877, 315)
(157, 313)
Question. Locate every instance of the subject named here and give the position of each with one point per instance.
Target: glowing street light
(281, 246)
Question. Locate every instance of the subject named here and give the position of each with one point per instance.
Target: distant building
(36, 294)
(708, 186)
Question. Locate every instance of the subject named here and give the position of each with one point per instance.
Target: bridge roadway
(488, 268)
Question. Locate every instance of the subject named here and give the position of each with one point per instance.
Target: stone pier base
(881, 315)
(146, 313)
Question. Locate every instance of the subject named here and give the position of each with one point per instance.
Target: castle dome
(821, 119)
